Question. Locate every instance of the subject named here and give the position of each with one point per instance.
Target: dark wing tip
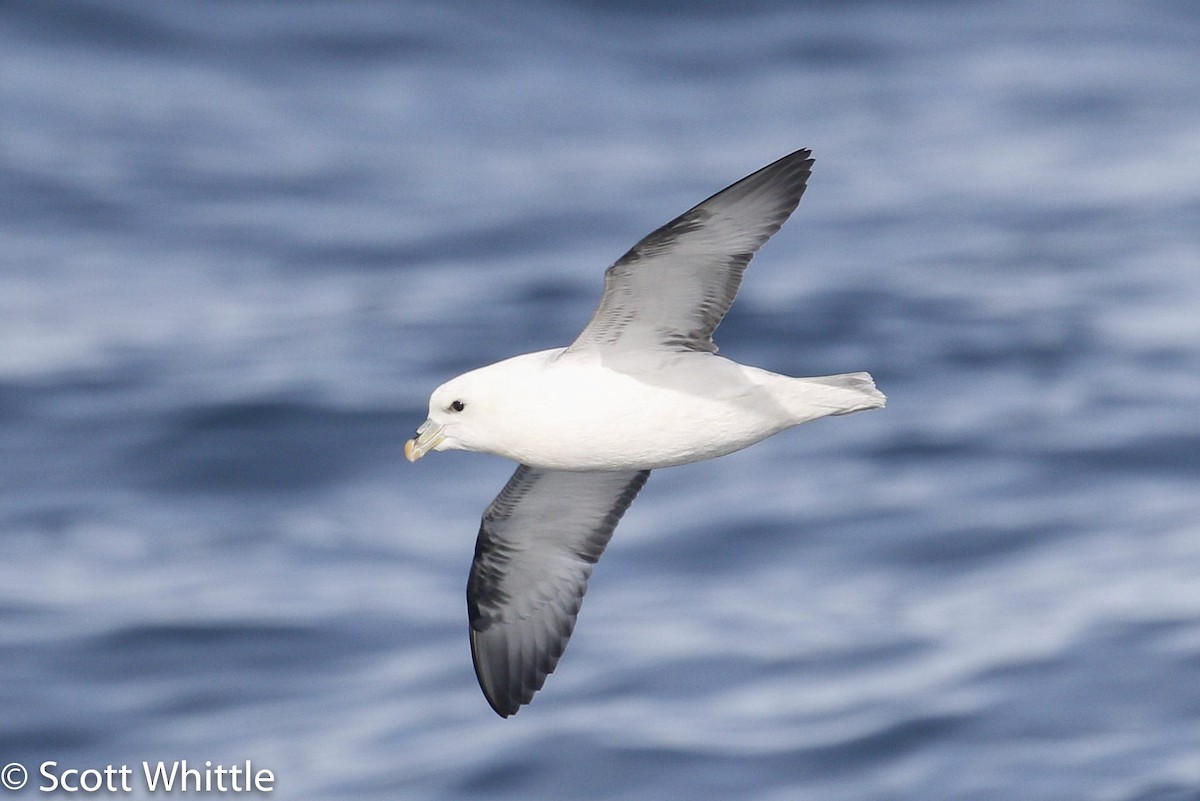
(787, 178)
(498, 697)
(784, 180)
(509, 671)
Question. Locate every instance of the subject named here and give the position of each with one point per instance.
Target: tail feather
(842, 394)
(860, 383)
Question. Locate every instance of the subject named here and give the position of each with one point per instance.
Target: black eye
(457, 406)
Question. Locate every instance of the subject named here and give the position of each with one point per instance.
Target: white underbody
(565, 410)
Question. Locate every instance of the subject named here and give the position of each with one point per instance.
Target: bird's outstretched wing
(537, 543)
(671, 290)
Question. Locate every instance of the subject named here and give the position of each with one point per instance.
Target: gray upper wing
(671, 290)
(537, 543)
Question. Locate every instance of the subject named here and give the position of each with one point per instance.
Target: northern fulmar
(642, 387)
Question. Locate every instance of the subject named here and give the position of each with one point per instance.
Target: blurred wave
(243, 241)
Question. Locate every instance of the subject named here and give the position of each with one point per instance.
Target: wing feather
(673, 288)
(537, 543)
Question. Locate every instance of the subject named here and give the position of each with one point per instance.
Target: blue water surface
(242, 241)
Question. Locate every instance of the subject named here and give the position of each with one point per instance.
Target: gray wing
(672, 289)
(534, 555)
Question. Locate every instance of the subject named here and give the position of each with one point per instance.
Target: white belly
(587, 417)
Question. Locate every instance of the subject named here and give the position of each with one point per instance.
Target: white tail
(823, 396)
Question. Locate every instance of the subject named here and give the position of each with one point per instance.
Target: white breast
(578, 414)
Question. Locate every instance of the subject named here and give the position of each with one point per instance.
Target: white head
(476, 411)
(452, 408)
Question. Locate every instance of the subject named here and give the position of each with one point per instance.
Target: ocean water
(241, 242)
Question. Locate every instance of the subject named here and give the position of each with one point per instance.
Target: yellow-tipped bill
(429, 435)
